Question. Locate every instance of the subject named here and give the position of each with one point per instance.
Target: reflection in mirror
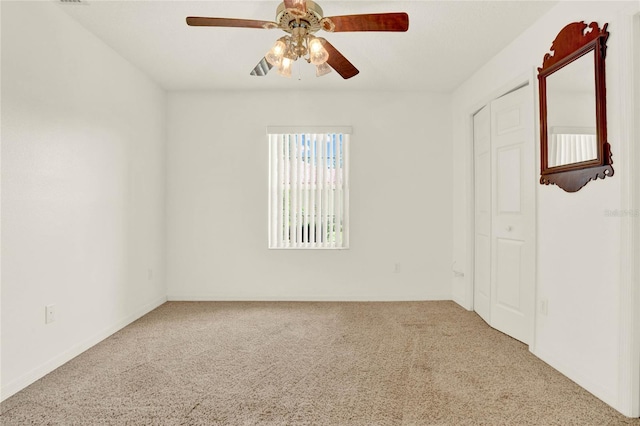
(568, 145)
(571, 113)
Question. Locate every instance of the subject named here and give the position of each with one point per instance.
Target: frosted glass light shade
(285, 67)
(322, 69)
(274, 56)
(317, 53)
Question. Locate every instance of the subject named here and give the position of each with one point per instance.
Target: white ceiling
(447, 41)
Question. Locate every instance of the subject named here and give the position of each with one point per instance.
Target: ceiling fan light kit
(289, 48)
(301, 19)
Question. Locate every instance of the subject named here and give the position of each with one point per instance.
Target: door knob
(509, 228)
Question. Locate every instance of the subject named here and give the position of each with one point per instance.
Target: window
(308, 188)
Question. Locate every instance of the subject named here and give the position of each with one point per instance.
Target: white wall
(579, 261)
(82, 191)
(217, 162)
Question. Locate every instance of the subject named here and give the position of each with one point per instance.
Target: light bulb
(315, 45)
(274, 56)
(285, 67)
(317, 53)
(322, 69)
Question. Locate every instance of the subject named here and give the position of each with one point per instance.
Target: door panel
(508, 120)
(482, 195)
(509, 253)
(512, 219)
(508, 180)
(483, 275)
(510, 315)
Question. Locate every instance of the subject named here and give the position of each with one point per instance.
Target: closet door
(505, 178)
(482, 191)
(513, 205)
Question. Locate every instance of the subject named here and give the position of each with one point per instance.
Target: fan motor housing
(288, 19)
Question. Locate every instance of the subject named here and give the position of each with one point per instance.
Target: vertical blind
(308, 190)
(566, 148)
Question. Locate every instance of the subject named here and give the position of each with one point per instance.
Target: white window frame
(309, 187)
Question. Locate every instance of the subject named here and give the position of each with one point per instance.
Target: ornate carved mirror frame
(575, 41)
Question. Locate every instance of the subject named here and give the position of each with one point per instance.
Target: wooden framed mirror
(573, 108)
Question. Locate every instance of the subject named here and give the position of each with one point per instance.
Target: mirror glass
(571, 113)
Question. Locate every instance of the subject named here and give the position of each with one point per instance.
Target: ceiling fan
(301, 19)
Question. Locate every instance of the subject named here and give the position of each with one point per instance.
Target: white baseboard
(64, 357)
(300, 298)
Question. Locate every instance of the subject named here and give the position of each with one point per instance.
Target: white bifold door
(504, 170)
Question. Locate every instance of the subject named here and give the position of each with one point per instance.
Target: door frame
(529, 81)
(635, 334)
(629, 298)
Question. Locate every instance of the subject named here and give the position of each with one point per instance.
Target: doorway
(504, 212)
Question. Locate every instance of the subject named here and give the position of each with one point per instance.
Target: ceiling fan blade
(262, 68)
(300, 5)
(339, 62)
(370, 22)
(196, 21)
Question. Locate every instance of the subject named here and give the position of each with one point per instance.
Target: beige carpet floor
(232, 363)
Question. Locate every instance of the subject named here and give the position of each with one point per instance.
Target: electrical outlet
(49, 314)
(149, 274)
(396, 268)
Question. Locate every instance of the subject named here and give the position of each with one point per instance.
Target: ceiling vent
(73, 2)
